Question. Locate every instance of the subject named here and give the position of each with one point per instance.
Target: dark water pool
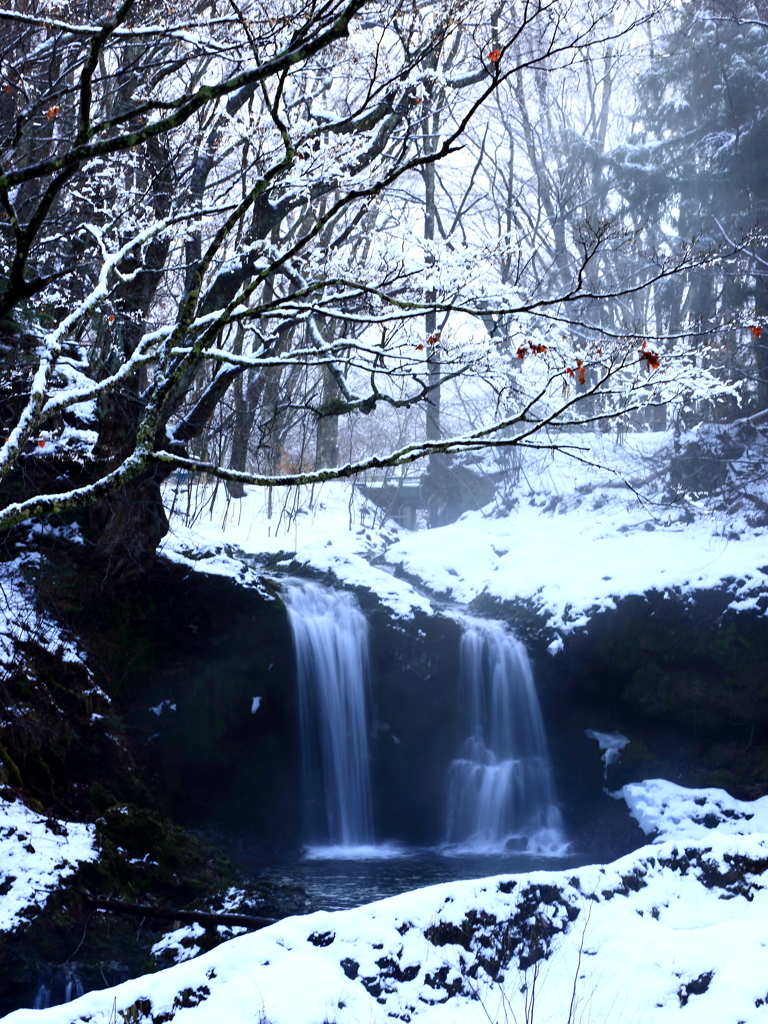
(337, 882)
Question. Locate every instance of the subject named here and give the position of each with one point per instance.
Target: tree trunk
(242, 428)
(327, 442)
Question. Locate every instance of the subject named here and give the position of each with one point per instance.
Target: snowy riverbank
(677, 930)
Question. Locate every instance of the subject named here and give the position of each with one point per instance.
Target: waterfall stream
(500, 789)
(62, 986)
(330, 638)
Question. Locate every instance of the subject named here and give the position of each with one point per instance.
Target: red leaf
(538, 349)
(582, 372)
(650, 357)
(41, 444)
(569, 371)
(757, 331)
(52, 112)
(494, 55)
(419, 348)
(522, 352)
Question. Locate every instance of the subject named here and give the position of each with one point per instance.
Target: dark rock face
(415, 732)
(688, 660)
(682, 676)
(182, 656)
(88, 747)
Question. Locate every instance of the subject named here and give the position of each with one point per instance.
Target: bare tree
(216, 200)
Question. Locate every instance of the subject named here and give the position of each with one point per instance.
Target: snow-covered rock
(667, 811)
(36, 853)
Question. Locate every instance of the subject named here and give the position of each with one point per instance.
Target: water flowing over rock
(330, 636)
(62, 986)
(500, 788)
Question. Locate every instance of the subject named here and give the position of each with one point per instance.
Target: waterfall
(61, 986)
(43, 997)
(330, 638)
(73, 989)
(500, 788)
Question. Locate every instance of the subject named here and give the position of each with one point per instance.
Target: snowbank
(326, 533)
(673, 812)
(573, 540)
(36, 853)
(675, 931)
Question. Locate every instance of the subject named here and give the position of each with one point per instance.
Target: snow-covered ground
(328, 533)
(22, 620)
(36, 853)
(574, 540)
(677, 931)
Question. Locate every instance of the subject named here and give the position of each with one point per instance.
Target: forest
(384, 408)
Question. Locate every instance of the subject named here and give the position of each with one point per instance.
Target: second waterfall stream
(500, 789)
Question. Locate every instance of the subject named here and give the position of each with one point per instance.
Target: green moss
(174, 863)
(101, 798)
(723, 779)
(12, 772)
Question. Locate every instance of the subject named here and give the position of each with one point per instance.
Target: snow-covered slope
(36, 853)
(677, 931)
(568, 538)
(328, 534)
(575, 563)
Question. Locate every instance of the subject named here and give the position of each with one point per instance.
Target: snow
(158, 709)
(36, 853)
(179, 944)
(611, 743)
(318, 536)
(673, 812)
(23, 622)
(573, 557)
(676, 931)
(573, 540)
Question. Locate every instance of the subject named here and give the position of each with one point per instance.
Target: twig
(82, 940)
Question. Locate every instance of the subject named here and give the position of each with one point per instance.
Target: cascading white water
(43, 997)
(330, 637)
(500, 788)
(61, 987)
